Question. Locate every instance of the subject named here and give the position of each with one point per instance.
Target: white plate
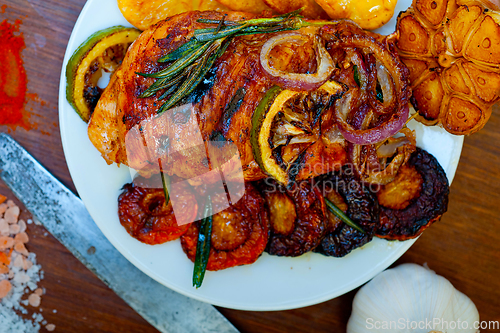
(272, 283)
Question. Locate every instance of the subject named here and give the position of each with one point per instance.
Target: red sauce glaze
(12, 76)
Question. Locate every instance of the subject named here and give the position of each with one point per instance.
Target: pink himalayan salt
(39, 291)
(50, 327)
(27, 264)
(10, 203)
(3, 208)
(21, 237)
(4, 228)
(12, 214)
(20, 248)
(5, 287)
(14, 229)
(18, 262)
(22, 225)
(6, 242)
(34, 300)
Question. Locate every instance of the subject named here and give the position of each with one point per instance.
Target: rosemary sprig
(164, 182)
(180, 63)
(192, 61)
(344, 218)
(201, 68)
(203, 245)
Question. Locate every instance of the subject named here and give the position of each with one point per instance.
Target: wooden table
(464, 246)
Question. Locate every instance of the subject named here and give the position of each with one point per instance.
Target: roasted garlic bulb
(452, 49)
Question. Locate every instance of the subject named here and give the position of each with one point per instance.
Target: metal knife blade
(64, 215)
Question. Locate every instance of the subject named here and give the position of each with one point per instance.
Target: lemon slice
(285, 124)
(104, 50)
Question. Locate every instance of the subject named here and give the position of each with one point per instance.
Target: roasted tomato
(407, 208)
(143, 213)
(239, 233)
(362, 208)
(297, 218)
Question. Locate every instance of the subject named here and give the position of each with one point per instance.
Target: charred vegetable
(378, 90)
(239, 233)
(285, 124)
(146, 217)
(362, 208)
(341, 216)
(297, 218)
(414, 200)
(104, 50)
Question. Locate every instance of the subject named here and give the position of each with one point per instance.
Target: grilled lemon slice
(285, 124)
(104, 50)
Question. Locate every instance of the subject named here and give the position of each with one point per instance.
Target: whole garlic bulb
(411, 298)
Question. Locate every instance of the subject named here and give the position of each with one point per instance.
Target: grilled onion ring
(347, 35)
(297, 81)
(388, 90)
(371, 135)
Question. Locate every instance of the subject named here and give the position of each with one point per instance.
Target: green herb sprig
(340, 214)
(192, 61)
(203, 245)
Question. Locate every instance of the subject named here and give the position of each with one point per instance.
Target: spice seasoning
(12, 76)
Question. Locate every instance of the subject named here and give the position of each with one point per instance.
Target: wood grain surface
(464, 246)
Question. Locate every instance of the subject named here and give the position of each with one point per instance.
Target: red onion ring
(388, 91)
(355, 56)
(348, 37)
(372, 135)
(298, 81)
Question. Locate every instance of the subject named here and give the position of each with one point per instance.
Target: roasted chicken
(125, 127)
(237, 74)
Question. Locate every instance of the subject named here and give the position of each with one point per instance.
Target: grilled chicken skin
(125, 128)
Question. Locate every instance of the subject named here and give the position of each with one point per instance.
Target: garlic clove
(411, 298)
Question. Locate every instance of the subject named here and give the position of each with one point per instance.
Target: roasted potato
(369, 14)
(249, 6)
(142, 14)
(310, 8)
